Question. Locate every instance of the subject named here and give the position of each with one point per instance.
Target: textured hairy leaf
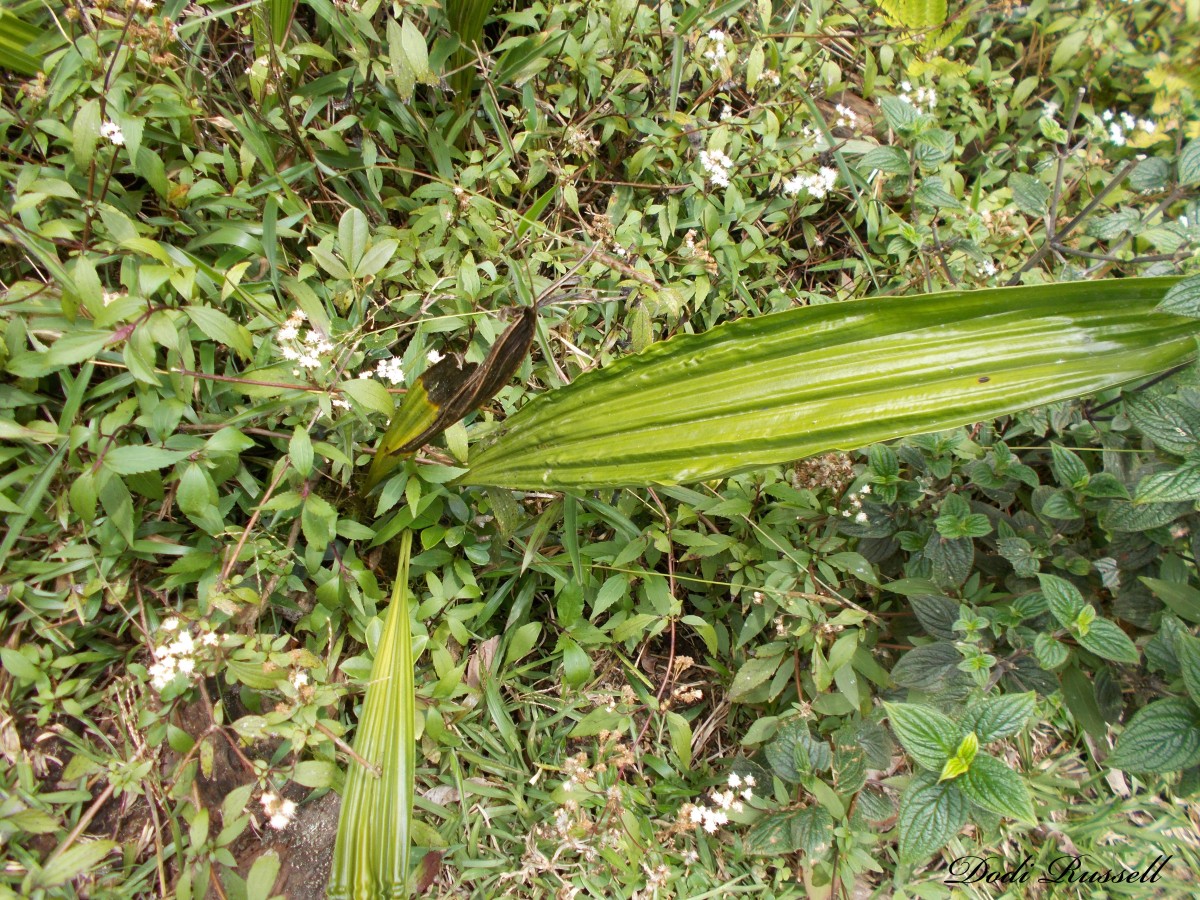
(1161, 737)
(771, 389)
(931, 813)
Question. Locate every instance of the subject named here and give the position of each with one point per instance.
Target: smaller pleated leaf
(370, 856)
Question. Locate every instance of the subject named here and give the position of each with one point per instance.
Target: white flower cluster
(847, 118)
(717, 165)
(1118, 125)
(924, 96)
(279, 810)
(988, 268)
(178, 656)
(148, 5)
(716, 52)
(855, 509)
(818, 184)
(390, 370)
(112, 131)
(306, 351)
(1049, 109)
(724, 802)
(769, 76)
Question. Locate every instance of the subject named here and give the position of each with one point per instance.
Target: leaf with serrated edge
(996, 718)
(926, 735)
(993, 785)
(930, 815)
(1161, 737)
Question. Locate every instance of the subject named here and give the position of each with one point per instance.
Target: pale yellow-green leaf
(767, 390)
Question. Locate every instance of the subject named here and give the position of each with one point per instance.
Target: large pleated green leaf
(770, 389)
(370, 856)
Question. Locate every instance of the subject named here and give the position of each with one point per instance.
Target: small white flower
(170, 624)
(747, 793)
(988, 268)
(717, 165)
(906, 87)
(279, 811)
(865, 489)
(147, 5)
(112, 131)
(1107, 115)
(299, 679)
(287, 332)
(434, 357)
(210, 639)
(1049, 109)
(735, 780)
(748, 781)
(860, 518)
(187, 665)
(183, 645)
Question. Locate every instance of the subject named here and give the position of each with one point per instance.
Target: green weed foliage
(232, 234)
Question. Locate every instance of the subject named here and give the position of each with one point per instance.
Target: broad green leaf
(1181, 483)
(1080, 694)
(681, 739)
(753, 673)
(1184, 298)
(85, 132)
(931, 813)
(353, 232)
(1108, 641)
(1064, 598)
(75, 861)
(521, 642)
(1183, 599)
(927, 735)
(1187, 650)
(794, 752)
(75, 347)
(131, 460)
(1189, 162)
(370, 394)
(260, 883)
(774, 388)
(300, 450)
(808, 830)
(18, 665)
(222, 329)
(926, 668)
(318, 521)
(996, 718)
(1161, 737)
(1030, 195)
(991, 784)
(314, 773)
